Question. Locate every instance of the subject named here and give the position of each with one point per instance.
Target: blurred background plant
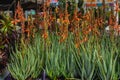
(7, 38)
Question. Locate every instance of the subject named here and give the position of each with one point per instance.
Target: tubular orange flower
(45, 35)
(15, 21)
(116, 26)
(77, 19)
(110, 21)
(66, 21)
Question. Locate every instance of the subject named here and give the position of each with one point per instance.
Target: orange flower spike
(76, 18)
(51, 18)
(115, 26)
(19, 15)
(48, 3)
(66, 21)
(61, 15)
(117, 6)
(45, 35)
(44, 14)
(110, 21)
(119, 29)
(15, 21)
(87, 16)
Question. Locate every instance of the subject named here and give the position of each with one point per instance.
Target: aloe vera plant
(68, 58)
(39, 49)
(106, 59)
(118, 60)
(52, 57)
(59, 60)
(25, 63)
(21, 66)
(85, 57)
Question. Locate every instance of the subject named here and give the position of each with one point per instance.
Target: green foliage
(22, 66)
(59, 59)
(39, 50)
(86, 60)
(98, 58)
(107, 56)
(26, 62)
(7, 26)
(80, 3)
(5, 30)
(118, 59)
